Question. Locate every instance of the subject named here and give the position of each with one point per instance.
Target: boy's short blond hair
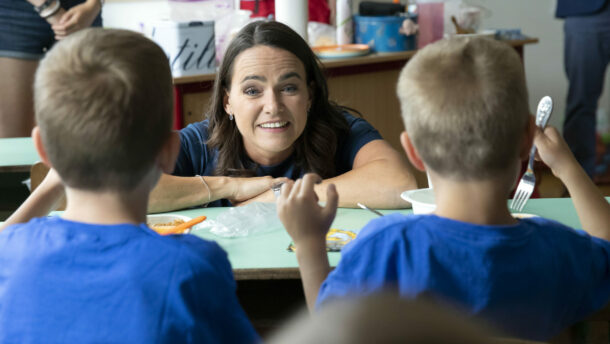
(103, 102)
(382, 318)
(465, 106)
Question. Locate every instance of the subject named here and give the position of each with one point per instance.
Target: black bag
(377, 9)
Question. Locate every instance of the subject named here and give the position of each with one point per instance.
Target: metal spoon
(369, 209)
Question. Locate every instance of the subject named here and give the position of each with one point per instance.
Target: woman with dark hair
(270, 119)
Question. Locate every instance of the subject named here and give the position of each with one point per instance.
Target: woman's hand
(265, 197)
(76, 18)
(246, 190)
(173, 192)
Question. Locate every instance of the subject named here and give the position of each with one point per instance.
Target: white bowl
(483, 33)
(423, 202)
(421, 199)
(523, 215)
(155, 219)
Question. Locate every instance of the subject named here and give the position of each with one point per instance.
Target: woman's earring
(230, 117)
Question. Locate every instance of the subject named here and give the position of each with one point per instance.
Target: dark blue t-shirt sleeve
(194, 157)
(213, 301)
(361, 133)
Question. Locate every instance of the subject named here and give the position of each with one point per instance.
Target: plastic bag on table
(227, 27)
(251, 219)
(320, 34)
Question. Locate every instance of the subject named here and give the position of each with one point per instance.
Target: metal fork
(526, 185)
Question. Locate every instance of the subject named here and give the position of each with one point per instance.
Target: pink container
(431, 22)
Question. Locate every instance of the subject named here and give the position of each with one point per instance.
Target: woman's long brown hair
(315, 149)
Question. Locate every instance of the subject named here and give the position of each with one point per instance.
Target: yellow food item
(335, 240)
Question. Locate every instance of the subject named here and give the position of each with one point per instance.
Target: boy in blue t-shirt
(465, 107)
(103, 104)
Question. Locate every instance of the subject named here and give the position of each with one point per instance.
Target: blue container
(381, 33)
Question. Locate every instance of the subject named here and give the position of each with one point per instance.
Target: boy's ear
(412, 154)
(169, 153)
(528, 139)
(37, 139)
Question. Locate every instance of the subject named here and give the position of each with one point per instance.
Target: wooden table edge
(266, 274)
(16, 168)
(601, 315)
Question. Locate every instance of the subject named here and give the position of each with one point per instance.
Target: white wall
(543, 61)
(133, 14)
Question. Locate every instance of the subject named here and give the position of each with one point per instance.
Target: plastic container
(345, 33)
(190, 46)
(431, 15)
(293, 13)
(422, 200)
(161, 221)
(382, 33)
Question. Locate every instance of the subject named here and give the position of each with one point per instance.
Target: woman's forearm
(174, 192)
(377, 185)
(377, 180)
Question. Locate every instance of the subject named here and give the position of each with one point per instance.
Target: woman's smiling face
(269, 99)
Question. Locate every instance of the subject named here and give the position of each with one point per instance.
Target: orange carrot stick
(183, 226)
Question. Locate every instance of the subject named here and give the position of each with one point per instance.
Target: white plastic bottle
(294, 13)
(345, 24)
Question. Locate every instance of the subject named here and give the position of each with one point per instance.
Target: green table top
(17, 154)
(265, 255)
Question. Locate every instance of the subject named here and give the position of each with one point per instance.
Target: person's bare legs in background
(16, 106)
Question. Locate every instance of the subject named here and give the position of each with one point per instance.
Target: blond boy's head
(103, 101)
(381, 318)
(465, 107)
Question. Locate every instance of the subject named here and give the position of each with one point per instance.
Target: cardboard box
(189, 47)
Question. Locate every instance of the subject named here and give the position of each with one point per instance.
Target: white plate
(423, 202)
(483, 33)
(341, 51)
(154, 219)
(421, 199)
(523, 215)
